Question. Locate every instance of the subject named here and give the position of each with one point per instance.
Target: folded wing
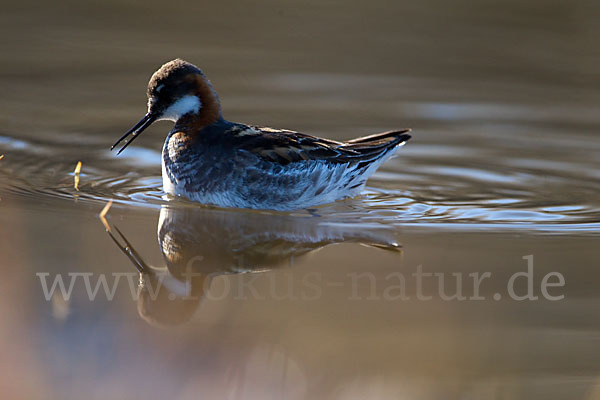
(285, 147)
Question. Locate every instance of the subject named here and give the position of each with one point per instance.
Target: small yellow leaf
(76, 178)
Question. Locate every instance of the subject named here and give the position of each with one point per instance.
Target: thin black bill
(138, 128)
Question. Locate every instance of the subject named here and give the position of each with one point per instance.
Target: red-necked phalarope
(208, 159)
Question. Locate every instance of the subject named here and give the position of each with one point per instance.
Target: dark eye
(158, 89)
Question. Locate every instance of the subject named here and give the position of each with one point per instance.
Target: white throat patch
(184, 105)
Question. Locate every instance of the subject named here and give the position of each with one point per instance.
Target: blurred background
(502, 97)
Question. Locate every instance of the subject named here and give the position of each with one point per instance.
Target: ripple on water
(412, 191)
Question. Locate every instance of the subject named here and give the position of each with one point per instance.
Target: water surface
(502, 172)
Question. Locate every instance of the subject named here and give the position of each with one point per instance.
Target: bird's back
(235, 165)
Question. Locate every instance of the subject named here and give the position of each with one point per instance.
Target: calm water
(501, 177)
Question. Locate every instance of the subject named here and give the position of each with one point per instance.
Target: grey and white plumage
(208, 159)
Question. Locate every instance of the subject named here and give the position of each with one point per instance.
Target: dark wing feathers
(285, 146)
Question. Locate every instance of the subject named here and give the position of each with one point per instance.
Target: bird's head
(179, 92)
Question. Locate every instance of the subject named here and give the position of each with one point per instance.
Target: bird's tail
(373, 146)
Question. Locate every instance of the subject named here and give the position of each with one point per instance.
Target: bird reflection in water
(199, 244)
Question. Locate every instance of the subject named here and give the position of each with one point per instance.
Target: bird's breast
(176, 161)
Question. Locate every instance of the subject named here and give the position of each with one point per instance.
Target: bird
(210, 160)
